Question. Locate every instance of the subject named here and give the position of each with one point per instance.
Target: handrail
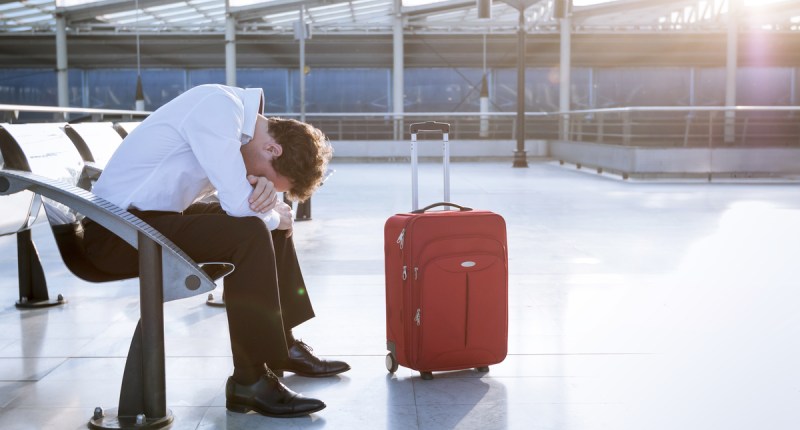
(682, 109)
(56, 109)
(639, 125)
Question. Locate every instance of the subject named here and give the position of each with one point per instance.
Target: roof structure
(377, 16)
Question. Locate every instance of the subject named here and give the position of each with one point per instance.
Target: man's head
(293, 155)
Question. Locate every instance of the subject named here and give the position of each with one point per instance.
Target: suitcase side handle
(431, 206)
(429, 126)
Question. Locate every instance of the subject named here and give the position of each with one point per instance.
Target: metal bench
(95, 141)
(165, 272)
(124, 128)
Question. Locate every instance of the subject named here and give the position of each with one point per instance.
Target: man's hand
(264, 196)
(287, 217)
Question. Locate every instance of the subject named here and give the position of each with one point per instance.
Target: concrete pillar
(398, 89)
(301, 34)
(730, 70)
(61, 61)
(230, 50)
(520, 157)
(484, 100)
(565, 76)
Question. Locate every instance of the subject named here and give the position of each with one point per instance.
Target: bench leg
(303, 211)
(32, 283)
(215, 302)
(143, 395)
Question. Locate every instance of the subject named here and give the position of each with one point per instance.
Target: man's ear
(274, 149)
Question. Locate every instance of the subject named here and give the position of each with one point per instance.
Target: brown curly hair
(305, 156)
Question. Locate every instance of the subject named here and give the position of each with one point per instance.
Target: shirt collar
(253, 100)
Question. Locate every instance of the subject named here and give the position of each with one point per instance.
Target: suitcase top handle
(434, 205)
(430, 126)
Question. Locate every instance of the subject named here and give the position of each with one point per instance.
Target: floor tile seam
(416, 398)
(43, 375)
(494, 404)
(506, 377)
(109, 357)
(68, 408)
(579, 354)
(205, 414)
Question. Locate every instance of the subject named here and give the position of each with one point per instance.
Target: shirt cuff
(271, 219)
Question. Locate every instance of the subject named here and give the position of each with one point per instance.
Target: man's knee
(249, 229)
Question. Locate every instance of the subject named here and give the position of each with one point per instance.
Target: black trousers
(265, 296)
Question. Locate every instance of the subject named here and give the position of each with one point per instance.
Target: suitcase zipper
(418, 317)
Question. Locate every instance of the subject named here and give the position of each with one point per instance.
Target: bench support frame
(33, 292)
(165, 274)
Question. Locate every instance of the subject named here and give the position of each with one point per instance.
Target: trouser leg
(295, 301)
(252, 297)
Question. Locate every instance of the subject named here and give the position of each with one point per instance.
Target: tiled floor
(633, 305)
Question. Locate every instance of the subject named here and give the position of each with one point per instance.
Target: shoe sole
(243, 409)
(309, 375)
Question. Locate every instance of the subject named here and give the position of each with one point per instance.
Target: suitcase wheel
(426, 375)
(483, 369)
(391, 363)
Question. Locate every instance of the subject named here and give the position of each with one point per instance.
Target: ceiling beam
(90, 11)
(621, 7)
(439, 7)
(259, 10)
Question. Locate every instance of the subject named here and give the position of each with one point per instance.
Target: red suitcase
(446, 282)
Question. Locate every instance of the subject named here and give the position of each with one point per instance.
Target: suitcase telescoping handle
(444, 128)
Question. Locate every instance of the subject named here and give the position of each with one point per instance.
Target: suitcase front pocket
(462, 317)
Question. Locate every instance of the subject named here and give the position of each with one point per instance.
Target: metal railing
(26, 113)
(752, 126)
(673, 126)
(699, 126)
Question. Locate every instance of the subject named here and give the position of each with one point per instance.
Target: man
(213, 139)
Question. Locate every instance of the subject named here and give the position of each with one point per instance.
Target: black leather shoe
(268, 396)
(302, 362)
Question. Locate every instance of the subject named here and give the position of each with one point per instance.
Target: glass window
(274, 82)
(764, 86)
(36, 87)
(206, 76)
(112, 88)
(442, 89)
(162, 85)
(343, 90)
(582, 89)
(709, 87)
(541, 90)
(642, 87)
(116, 88)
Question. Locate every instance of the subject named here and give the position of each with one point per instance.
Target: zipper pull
(416, 272)
(400, 238)
(418, 317)
(405, 275)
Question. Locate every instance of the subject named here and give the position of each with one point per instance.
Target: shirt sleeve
(213, 130)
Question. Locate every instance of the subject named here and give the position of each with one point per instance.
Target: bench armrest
(182, 277)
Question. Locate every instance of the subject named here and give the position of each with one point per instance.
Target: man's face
(259, 153)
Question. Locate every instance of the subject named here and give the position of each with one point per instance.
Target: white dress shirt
(184, 151)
